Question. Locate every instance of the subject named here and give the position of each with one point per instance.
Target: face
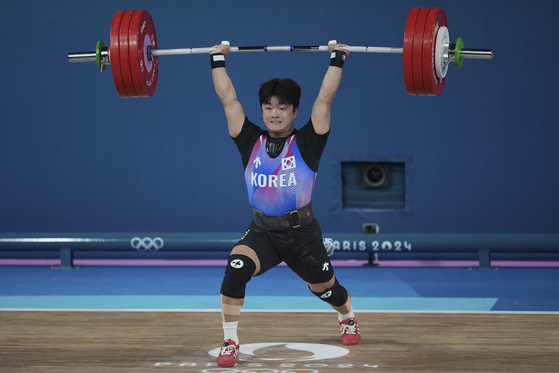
(278, 118)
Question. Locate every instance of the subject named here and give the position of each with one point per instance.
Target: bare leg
(231, 310)
(348, 325)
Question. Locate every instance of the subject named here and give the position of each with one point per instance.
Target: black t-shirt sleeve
(311, 145)
(246, 139)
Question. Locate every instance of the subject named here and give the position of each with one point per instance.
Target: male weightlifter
(280, 169)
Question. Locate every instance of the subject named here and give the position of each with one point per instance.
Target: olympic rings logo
(147, 243)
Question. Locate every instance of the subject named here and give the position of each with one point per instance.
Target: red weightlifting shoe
(350, 331)
(229, 354)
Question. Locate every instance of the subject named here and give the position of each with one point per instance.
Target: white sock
(230, 331)
(348, 315)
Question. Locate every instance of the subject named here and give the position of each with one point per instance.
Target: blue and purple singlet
(278, 185)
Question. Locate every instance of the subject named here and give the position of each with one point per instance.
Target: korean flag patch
(288, 163)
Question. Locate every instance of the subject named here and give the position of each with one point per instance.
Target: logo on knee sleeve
(325, 266)
(237, 263)
(326, 295)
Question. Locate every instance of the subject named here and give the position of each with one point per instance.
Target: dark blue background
(482, 157)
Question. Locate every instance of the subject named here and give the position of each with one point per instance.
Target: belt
(292, 219)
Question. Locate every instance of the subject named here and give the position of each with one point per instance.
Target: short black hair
(286, 90)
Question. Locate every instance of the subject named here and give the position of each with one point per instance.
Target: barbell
(134, 57)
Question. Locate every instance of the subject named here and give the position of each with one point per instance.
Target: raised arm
(321, 110)
(234, 111)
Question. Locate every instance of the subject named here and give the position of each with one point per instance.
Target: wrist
(217, 60)
(337, 58)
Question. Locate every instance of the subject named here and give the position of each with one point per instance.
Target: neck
(281, 134)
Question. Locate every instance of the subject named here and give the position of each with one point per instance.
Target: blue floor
(197, 288)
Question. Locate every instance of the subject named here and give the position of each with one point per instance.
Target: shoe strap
(349, 329)
(230, 349)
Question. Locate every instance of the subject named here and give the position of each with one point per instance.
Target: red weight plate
(408, 51)
(432, 83)
(141, 36)
(125, 54)
(114, 48)
(418, 51)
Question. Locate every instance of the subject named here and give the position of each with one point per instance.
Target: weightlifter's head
(287, 91)
(279, 101)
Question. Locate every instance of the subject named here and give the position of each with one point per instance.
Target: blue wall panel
(75, 157)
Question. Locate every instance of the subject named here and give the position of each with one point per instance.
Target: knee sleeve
(336, 295)
(239, 271)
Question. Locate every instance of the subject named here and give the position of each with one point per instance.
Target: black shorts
(300, 248)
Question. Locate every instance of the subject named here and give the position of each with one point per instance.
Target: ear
(295, 113)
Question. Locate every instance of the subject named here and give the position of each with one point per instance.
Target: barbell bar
(134, 56)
